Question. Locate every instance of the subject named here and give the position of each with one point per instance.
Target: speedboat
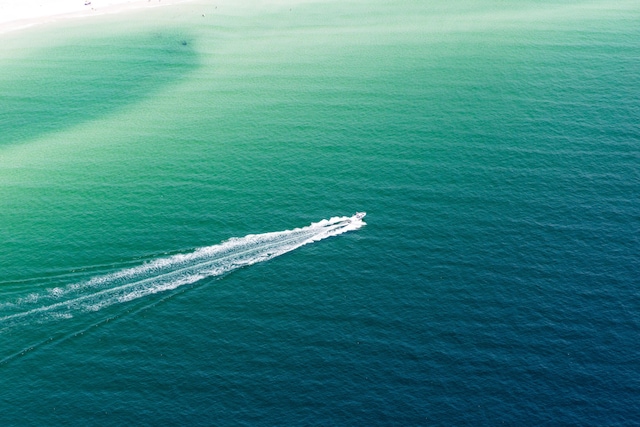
(360, 215)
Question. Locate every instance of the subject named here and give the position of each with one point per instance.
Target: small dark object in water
(184, 42)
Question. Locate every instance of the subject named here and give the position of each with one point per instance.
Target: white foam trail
(169, 273)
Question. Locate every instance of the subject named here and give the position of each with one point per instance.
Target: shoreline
(16, 15)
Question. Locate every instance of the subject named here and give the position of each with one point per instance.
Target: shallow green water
(495, 149)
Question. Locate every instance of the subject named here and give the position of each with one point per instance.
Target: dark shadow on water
(49, 90)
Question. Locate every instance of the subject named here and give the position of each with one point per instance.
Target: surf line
(169, 273)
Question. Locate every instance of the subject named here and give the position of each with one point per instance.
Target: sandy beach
(19, 14)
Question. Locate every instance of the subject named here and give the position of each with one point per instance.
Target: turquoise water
(495, 149)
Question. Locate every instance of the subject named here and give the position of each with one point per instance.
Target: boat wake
(165, 274)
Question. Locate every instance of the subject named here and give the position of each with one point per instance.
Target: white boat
(360, 215)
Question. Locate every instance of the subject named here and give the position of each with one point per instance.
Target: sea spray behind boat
(168, 273)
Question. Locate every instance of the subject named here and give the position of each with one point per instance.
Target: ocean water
(177, 188)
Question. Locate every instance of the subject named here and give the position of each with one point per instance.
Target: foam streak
(168, 273)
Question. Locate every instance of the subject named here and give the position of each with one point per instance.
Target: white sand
(17, 14)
